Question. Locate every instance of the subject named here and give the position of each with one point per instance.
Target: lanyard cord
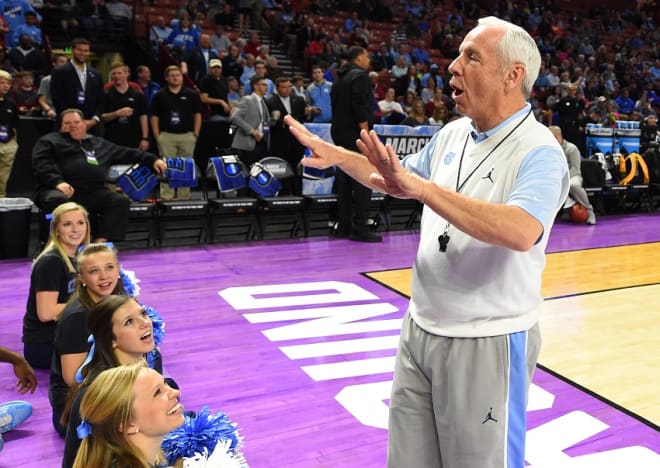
(443, 239)
(459, 186)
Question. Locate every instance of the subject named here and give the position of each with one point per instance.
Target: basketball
(578, 213)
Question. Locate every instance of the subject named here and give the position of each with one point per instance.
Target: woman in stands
(127, 410)
(123, 334)
(416, 117)
(52, 281)
(98, 278)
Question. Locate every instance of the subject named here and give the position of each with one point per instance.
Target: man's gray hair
(516, 47)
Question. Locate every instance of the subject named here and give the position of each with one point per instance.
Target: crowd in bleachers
(599, 66)
(610, 57)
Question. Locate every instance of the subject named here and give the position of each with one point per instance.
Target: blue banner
(404, 139)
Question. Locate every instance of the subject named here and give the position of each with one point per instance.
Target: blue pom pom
(199, 433)
(158, 324)
(129, 283)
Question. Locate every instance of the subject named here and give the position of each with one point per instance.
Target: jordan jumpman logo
(489, 176)
(489, 417)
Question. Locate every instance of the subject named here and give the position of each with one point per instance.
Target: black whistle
(443, 240)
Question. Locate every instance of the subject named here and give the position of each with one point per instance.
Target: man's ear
(514, 76)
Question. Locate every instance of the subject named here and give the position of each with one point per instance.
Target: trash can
(14, 227)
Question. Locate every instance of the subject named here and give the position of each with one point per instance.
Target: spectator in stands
(93, 16)
(352, 22)
(399, 75)
(328, 57)
(26, 57)
(125, 111)
(8, 126)
(624, 103)
(195, 61)
(184, 31)
(119, 15)
(382, 59)
(149, 87)
(298, 88)
(220, 40)
(248, 69)
(253, 44)
(416, 116)
(440, 116)
(576, 192)
(176, 120)
(234, 91)
(178, 50)
(13, 11)
(159, 32)
(282, 103)
(252, 120)
(52, 281)
(45, 100)
(390, 110)
(25, 95)
(76, 85)
(30, 27)
(304, 35)
(232, 63)
(225, 18)
(260, 71)
(319, 92)
(428, 91)
(213, 92)
(244, 13)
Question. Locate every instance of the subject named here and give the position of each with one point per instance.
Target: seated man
(390, 110)
(576, 192)
(71, 165)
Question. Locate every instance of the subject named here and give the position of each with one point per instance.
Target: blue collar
(479, 137)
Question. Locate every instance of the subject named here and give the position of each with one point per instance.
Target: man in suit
(252, 121)
(283, 102)
(195, 61)
(75, 85)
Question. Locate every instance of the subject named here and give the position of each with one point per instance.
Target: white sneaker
(591, 218)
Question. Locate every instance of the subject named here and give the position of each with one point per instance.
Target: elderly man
(492, 183)
(71, 165)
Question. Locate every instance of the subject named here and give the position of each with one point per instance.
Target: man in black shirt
(213, 92)
(71, 165)
(352, 111)
(125, 111)
(176, 120)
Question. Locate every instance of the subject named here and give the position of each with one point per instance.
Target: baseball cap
(215, 63)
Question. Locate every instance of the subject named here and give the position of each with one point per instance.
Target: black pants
(259, 152)
(38, 355)
(111, 208)
(353, 200)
